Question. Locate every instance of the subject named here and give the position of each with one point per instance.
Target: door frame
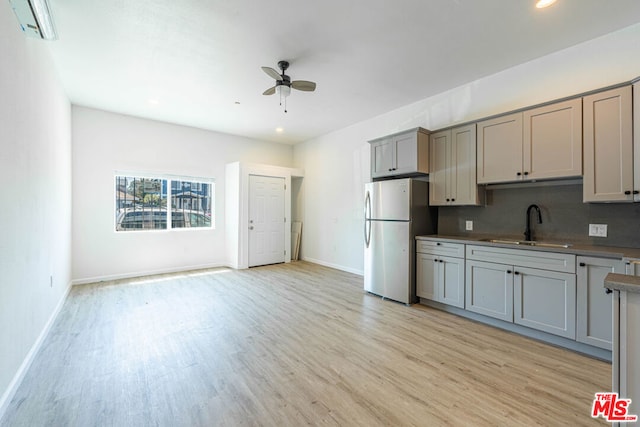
(237, 208)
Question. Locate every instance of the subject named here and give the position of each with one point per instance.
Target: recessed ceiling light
(279, 130)
(544, 3)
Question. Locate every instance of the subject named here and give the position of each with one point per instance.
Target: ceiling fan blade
(272, 73)
(270, 91)
(303, 85)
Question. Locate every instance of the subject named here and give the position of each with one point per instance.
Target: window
(141, 203)
(190, 204)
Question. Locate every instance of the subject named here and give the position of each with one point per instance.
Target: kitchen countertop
(575, 248)
(622, 282)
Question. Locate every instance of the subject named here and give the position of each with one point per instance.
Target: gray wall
(564, 216)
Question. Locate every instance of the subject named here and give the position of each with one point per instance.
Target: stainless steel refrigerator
(395, 212)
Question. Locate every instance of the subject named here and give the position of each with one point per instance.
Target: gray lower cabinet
(489, 289)
(440, 277)
(594, 306)
(545, 300)
(536, 289)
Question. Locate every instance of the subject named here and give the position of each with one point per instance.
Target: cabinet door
(462, 181)
(608, 151)
(545, 300)
(406, 153)
(451, 281)
(500, 149)
(594, 315)
(381, 158)
(489, 289)
(426, 275)
(439, 156)
(553, 141)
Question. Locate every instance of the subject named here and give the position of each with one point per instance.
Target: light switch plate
(469, 225)
(598, 230)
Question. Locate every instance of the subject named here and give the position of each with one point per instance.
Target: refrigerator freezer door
(390, 200)
(387, 261)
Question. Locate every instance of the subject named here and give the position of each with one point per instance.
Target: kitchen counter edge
(622, 282)
(575, 249)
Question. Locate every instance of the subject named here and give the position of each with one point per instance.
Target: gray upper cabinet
(608, 146)
(452, 179)
(594, 306)
(540, 143)
(404, 153)
(500, 149)
(552, 144)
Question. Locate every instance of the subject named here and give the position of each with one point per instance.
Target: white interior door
(266, 220)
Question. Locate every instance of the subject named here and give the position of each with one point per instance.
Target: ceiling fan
(284, 84)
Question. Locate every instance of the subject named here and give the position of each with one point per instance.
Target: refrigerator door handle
(367, 219)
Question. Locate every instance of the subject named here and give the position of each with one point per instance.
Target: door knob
(251, 227)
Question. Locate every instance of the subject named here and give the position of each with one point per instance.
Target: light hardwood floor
(289, 345)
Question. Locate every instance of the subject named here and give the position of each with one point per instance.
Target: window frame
(168, 208)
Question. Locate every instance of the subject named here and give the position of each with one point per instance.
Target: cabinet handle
(636, 192)
(508, 271)
(440, 261)
(627, 192)
(448, 200)
(453, 200)
(516, 272)
(607, 291)
(526, 173)
(435, 260)
(438, 244)
(518, 174)
(582, 264)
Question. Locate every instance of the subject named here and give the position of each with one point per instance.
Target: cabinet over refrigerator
(395, 211)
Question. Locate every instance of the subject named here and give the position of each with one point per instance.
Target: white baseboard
(129, 275)
(26, 363)
(336, 266)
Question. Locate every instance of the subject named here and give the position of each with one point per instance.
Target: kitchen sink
(528, 243)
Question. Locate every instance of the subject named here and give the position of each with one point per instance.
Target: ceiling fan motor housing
(283, 65)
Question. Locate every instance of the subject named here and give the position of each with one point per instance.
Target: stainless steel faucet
(527, 231)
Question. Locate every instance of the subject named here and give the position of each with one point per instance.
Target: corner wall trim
(28, 360)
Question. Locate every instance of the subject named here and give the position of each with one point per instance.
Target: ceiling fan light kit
(284, 84)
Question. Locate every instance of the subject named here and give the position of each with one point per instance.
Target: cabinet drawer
(440, 248)
(553, 261)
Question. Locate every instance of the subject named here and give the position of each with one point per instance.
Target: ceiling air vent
(35, 19)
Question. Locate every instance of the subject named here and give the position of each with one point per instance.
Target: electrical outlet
(469, 225)
(598, 230)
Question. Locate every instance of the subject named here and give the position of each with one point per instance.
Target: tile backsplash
(564, 216)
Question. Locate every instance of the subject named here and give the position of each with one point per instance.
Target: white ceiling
(196, 58)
